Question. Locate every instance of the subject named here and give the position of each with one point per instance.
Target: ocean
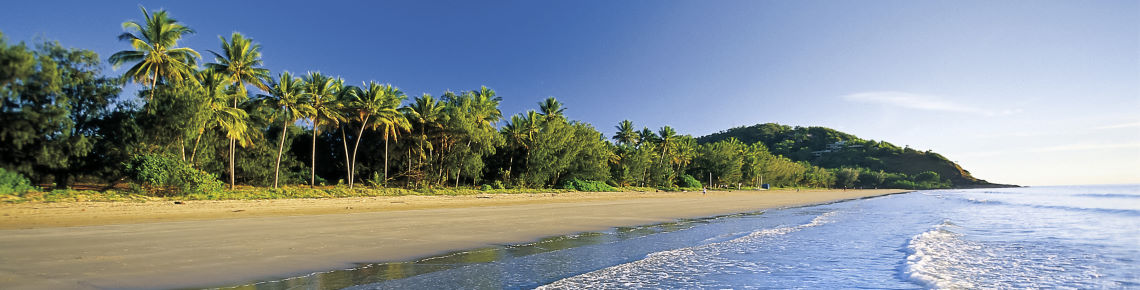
(1033, 237)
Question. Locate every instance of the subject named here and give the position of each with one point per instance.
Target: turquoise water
(1038, 237)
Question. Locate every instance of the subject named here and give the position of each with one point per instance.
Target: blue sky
(1025, 92)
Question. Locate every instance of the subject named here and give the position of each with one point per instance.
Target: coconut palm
(391, 121)
(368, 104)
(551, 108)
(239, 62)
(425, 112)
(289, 102)
(625, 133)
(321, 92)
(666, 137)
(520, 131)
(155, 54)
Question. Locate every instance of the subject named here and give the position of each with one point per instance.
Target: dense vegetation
(195, 125)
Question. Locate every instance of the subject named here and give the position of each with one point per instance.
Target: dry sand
(218, 243)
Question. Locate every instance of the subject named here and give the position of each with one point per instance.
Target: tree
(391, 121)
(321, 92)
(625, 134)
(846, 177)
(426, 113)
(666, 137)
(288, 100)
(519, 132)
(371, 105)
(551, 108)
(155, 52)
(239, 62)
(52, 109)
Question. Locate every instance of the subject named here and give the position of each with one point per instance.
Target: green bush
(172, 176)
(587, 185)
(498, 184)
(688, 181)
(486, 187)
(12, 183)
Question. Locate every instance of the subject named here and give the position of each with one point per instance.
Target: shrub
(13, 183)
(498, 184)
(172, 176)
(688, 181)
(485, 187)
(587, 185)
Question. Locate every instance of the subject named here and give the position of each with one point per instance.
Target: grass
(134, 193)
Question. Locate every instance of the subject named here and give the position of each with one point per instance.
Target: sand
(84, 245)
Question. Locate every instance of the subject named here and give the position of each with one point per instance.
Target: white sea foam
(681, 266)
(938, 257)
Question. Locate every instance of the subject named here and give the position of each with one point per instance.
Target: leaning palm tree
(321, 92)
(287, 98)
(155, 54)
(367, 103)
(239, 62)
(625, 133)
(232, 121)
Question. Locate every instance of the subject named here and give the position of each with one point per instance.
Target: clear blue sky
(1026, 92)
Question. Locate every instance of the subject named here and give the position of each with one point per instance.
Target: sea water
(1035, 237)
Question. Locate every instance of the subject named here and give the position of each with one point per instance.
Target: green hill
(828, 148)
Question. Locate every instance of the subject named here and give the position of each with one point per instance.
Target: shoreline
(207, 244)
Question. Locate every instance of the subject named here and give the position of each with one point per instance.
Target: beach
(223, 243)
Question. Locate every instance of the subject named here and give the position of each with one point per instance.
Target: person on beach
(704, 190)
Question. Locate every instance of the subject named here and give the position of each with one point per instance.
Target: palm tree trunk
(232, 147)
(313, 163)
(510, 164)
(194, 152)
(153, 83)
(280, 147)
(347, 159)
(357, 146)
(385, 159)
(182, 146)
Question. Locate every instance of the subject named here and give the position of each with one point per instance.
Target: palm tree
(321, 91)
(391, 121)
(373, 100)
(666, 137)
(625, 133)
(217, 112)
(155, 52)
(551, 108)
(287, 98)
(239, 62)
(520, 131)
(425, 111)
(646, 136)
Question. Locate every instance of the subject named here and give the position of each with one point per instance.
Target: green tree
(551, 108)
(846, 177)
(321, 91)
(374, 106)
(51, 111)
(288, 100)
(625, 134)
(155, 54)
(427, 114)
(239, 62)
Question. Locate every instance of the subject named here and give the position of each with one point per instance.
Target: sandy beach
(84, 245)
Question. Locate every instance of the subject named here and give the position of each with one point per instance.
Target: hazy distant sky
(1024, 92)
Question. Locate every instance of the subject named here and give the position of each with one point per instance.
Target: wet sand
(83, 245)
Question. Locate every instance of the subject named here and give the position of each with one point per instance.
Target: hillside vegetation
(828, 148)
